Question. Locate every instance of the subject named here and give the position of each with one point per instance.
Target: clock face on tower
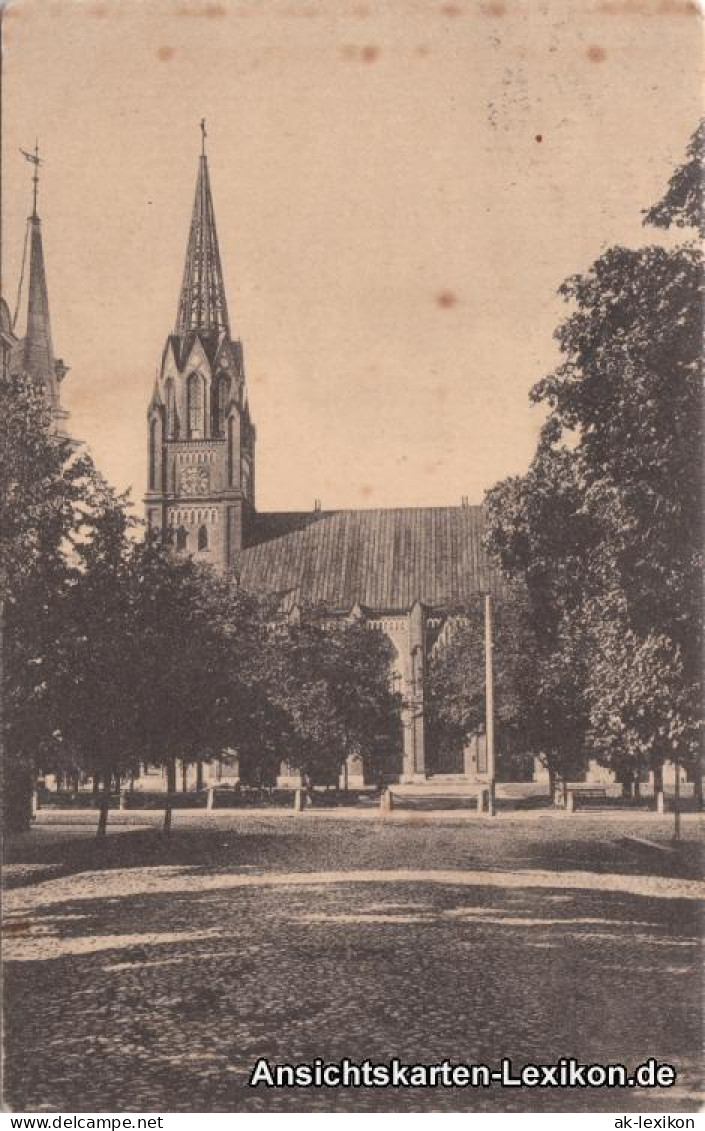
(194, 480)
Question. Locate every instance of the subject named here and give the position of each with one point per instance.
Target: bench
(586, 791)
(482, 794)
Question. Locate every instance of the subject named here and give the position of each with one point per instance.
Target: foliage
(606, 527)
(682, 204)
(330, 681)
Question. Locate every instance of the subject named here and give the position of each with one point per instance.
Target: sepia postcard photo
(351, 470)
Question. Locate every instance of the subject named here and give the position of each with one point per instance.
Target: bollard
(210, 798)
(570, 802)
(33, 805)
(298, 801)
(386, 804)
(660, 801)
(480, 800)
(123, 799)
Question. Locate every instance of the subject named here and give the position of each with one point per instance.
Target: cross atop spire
(202, 304)
(35, 160)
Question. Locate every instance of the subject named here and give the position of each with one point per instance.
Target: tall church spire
(37, 357)
(202, 304)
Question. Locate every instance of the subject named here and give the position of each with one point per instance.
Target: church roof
(383, 560)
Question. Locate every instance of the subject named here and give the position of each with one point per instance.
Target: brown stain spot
(446, 300)
(422, 51)
(361, 11)
(100, 11)
(165, 54)
(495, 8)
(451, 10)
(209, 11)
(303, 13)
(678, 8)
(441, 393)
(365, 54)
(366, 491)
(596, 54)
(648, 8)
(539, 138)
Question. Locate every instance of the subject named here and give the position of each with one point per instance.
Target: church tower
(201, 441)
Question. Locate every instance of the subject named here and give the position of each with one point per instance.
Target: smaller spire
(37, 350)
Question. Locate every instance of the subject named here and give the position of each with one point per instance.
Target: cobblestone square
(146, 975)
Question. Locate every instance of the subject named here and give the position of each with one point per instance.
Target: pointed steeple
(38, 351)
(202, 304)
(36, 348)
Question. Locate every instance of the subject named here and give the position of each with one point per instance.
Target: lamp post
(489, 706)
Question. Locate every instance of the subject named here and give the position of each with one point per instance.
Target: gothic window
(203, 537)
(153, 455)
(194, 402)
(231, 445)
(221, 392)
(172, 420)
(181, 538)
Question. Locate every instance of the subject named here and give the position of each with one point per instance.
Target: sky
(400, 187)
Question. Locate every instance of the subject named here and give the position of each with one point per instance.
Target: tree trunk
(199, 776)
(96, 783)
(184, 776)
(171, 776)
(698, 785)
(103, 815)
(167, 817)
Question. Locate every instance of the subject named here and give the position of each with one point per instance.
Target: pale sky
(400, 186)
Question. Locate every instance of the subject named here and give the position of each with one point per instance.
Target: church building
(406, 571)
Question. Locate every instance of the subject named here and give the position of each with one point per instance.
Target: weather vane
(35, 160)
(203, 137)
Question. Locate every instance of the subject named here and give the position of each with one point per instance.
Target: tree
(536, 531)
(98, 661)
(331, 684)
(41, 485)
(607, 525)
(682, 203)
(201, 640)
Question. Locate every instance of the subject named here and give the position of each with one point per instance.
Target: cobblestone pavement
(150, 975)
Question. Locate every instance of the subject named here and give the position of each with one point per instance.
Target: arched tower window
(203, 537)
(181, 538)
(153, 455)
(194, 403)
(231, 452)
(221, 393)
(172, 420)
